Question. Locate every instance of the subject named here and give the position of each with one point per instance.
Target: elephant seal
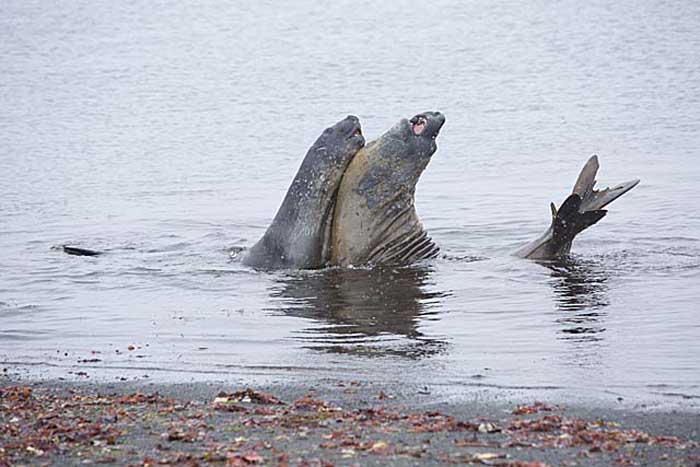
(581, 209)
(298, 235)
(375, 219)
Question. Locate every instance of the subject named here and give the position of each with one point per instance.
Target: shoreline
(474, 387)
(333, 422)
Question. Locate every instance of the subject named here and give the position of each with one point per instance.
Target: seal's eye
(419, 123)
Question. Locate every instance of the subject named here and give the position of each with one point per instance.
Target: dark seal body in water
(78, 251)
(375, 219)
(298, 235)
(581, 209)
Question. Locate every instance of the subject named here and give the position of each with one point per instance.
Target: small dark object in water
(74, 250)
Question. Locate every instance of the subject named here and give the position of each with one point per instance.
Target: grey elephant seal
(298, 236)
(581, 209)
(375, 219)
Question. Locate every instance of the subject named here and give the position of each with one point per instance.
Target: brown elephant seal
(581, 209)
(298, 236)
(375, 219)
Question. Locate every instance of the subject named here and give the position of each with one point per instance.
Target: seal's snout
(438, 116)
(347, 129)
(439, 120)
(352, 127)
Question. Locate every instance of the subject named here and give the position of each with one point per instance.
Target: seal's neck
(296, 233)
(398, 236)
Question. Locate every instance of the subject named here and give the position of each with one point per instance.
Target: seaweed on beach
(41, 426)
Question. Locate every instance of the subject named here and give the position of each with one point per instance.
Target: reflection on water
(581, 293)
(364, 312)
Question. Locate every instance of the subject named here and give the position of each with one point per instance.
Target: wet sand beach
(334, 423)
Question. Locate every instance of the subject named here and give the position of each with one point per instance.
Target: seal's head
(407, 148)
(321, 170)
(426, 127)
(337, 144)
(419, 133)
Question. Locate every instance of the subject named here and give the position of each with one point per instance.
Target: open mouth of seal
(418, 124)
(356, 132)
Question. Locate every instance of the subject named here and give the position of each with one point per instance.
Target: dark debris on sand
(44, 426)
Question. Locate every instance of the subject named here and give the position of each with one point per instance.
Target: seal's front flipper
(580, 210)
(76, 251)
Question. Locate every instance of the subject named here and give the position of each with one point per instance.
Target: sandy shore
(333, 423)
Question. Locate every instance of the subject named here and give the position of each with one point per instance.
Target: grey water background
(167, 134)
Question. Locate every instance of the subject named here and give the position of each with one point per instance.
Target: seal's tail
(592, 199)
(569, 221)
(584, 207)
(581, 209)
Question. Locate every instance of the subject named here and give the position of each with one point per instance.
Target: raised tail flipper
(580, 210)
(592, 199)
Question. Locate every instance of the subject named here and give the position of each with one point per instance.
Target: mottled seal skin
(580, 210)
(375, 219)
(298, 236)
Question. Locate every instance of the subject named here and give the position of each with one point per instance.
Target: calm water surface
(166, 135)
